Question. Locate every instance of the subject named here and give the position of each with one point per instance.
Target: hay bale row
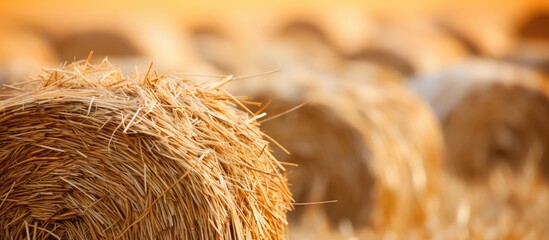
(409, 45)
(175, 45)
(493, 113)
(87, 153)
(371, 145)
(516, 34)
(417, 44)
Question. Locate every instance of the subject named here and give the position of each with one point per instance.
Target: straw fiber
(86, 153)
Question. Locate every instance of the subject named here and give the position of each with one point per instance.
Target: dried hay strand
(492, 114)
(86, 153)
(372, 146)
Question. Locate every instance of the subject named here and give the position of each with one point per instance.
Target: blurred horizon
(185, 9)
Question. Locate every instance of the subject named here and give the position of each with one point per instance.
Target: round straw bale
(212, 46)
(535, 25)
(410, 45)
(497, 124)
(483, 33)
(532, 44)
(103, 43)
(384, 58)
(86, 153)
(370, 145)
(217, 46)
(296, 42)
(531, 53)
(493, 113)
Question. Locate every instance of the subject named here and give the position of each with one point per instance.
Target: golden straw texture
(86, 153)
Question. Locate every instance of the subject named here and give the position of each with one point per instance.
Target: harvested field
(383, 119)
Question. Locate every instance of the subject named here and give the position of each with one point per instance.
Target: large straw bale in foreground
(86, 153)
(493, 113)
(370, 145)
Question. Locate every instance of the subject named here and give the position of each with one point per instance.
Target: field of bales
(274, 120)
